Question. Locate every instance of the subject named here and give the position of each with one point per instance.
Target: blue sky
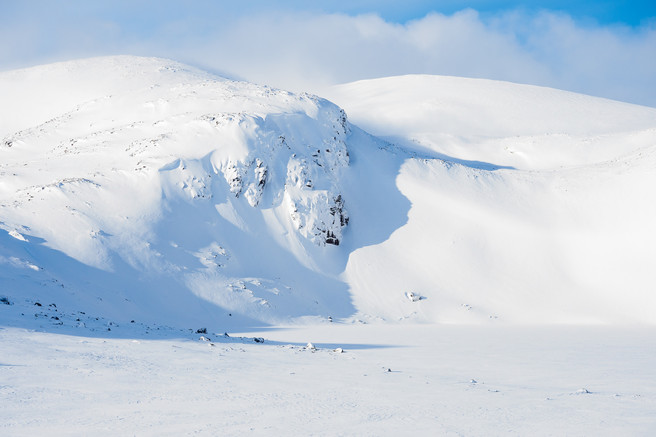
(601, 48)
(631, 13)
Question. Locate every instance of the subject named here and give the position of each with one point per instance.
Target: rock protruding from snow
(234, 176)
(313, 191)
(319, 216)
(413, 297)
(314, 152)
(256, 188)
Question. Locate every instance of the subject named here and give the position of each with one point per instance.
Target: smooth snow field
(387, 380)
(183, 254)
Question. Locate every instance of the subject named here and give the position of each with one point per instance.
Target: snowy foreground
(388, 380)
(184, 254)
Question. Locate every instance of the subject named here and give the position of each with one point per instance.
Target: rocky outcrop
(310, 184)
(256, 187)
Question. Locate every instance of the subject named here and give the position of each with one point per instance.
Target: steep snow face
(486, 124)
(147, 168)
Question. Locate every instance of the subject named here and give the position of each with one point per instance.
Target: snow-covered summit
(156, 165)
(495, 122)
(41, 93)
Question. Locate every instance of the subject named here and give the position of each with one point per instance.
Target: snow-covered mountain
(142, 188)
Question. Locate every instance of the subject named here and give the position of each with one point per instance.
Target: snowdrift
(142, 188)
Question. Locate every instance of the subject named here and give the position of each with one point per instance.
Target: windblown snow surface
(465, 257)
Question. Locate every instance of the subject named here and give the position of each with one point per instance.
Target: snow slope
(183, 183)
(541, 212)
(139, 188)
(491, 123)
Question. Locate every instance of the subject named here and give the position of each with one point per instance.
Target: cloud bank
(310, 50)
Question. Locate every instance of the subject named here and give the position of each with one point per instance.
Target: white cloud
(308, 50)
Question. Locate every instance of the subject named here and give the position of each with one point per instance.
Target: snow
(442, 380)
(559, 233)
(487, 124)
(160, 163)
(148, 159)
(444, 255)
